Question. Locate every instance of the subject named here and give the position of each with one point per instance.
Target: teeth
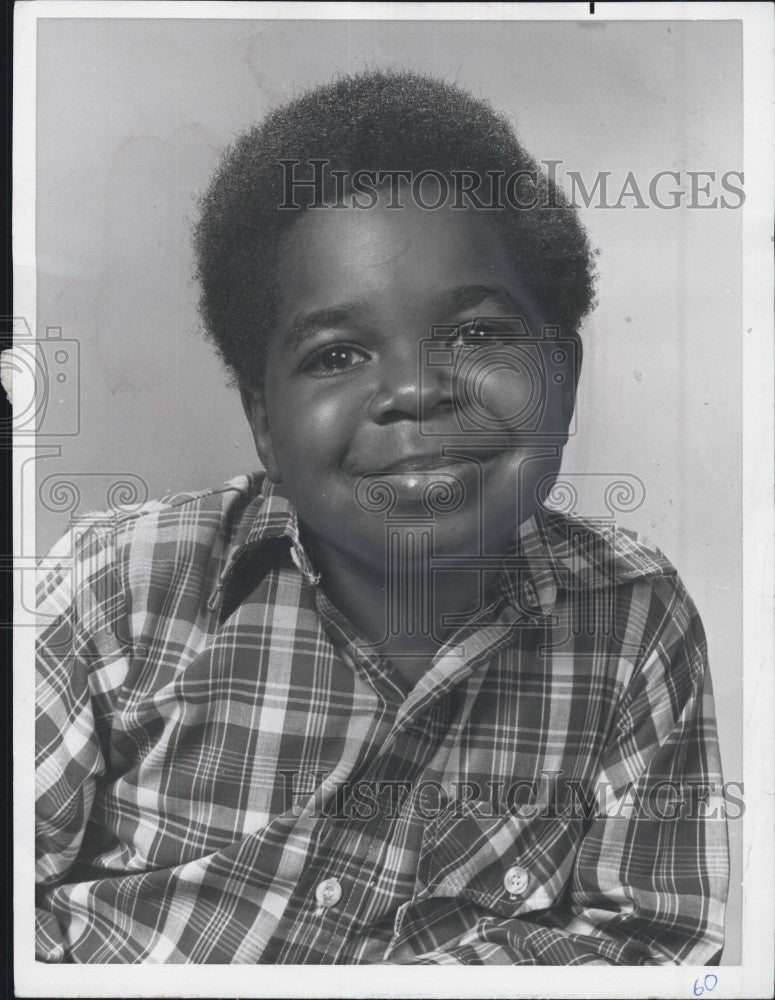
(426, 470)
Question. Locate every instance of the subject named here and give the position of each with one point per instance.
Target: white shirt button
(515, 881)
(329, 892)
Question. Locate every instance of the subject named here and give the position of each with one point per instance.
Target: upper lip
(428, 461)
(421, 463)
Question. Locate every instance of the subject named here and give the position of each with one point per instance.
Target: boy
(380, 704)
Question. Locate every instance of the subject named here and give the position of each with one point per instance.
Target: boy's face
(351, 394)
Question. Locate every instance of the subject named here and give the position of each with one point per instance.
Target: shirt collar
(531, 585)
(270, 515)
(566, 552)
(551, 551)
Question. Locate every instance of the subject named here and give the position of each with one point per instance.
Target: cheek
(310, 431)
(513, 397)
(500, 390)
(509, 389)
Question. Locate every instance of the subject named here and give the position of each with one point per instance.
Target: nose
(409, 389)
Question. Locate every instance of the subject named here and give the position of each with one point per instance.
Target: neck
(391, 602)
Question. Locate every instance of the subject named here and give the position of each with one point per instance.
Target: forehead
(407, 254)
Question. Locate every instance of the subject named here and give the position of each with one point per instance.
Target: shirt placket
(338, 887)
(338, 900)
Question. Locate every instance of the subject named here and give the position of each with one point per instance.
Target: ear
(254, 405)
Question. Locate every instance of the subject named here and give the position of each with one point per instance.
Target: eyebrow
(462, 297)
(306, 324)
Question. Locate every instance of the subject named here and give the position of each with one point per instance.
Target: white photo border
(753, 978)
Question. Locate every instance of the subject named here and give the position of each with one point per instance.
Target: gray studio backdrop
(131, 116)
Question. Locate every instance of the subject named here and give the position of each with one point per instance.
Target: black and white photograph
(392, 421)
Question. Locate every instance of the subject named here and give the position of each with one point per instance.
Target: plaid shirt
(228, 772)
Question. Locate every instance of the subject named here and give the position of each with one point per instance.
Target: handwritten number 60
(708, 983)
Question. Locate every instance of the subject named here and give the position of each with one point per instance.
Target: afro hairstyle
(378, 120)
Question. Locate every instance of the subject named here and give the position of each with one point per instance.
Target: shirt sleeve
(77, 603)
(649, 882)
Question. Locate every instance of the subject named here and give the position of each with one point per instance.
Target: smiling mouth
(434, 463)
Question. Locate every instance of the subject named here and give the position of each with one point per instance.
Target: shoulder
(218, 501)
(186, 518)
(594, 553)
(591, 555)
(176, 528)
(186, 510)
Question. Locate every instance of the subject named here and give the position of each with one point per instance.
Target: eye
(483, 333)
(335, 359)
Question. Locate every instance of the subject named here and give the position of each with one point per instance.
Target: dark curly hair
(381, 120)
